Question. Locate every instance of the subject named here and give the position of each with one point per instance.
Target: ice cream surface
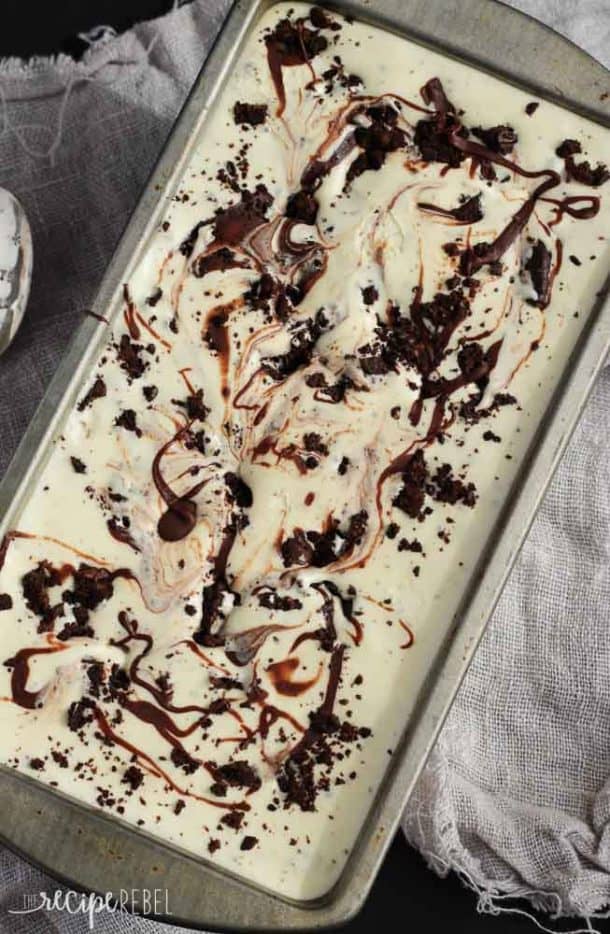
(225, 591)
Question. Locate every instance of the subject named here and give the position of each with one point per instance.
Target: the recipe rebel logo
(88, 904)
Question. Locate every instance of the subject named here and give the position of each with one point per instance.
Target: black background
(405, 891)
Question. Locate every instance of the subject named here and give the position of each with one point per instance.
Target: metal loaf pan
(90, 851)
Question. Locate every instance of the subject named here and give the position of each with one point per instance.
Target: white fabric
(517, 792)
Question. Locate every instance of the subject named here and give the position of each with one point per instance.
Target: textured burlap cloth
(516, 796)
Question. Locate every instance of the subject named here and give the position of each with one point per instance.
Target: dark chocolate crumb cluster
(442, 486)
(319, 549)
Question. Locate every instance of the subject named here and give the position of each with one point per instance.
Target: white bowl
(16, 256)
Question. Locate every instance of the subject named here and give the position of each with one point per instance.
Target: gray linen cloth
(516, 796)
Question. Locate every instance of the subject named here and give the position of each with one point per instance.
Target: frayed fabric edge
(97, 38)
(494, 896)
(22, 68)
(27, 68)
(101, 41)
(492, 901)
